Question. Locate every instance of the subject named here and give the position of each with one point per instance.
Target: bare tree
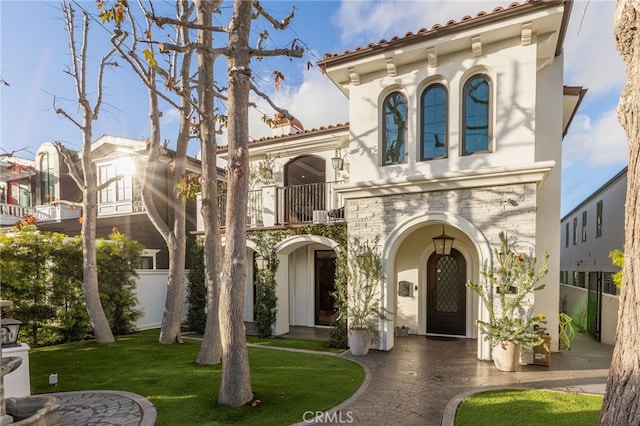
(621, 404)
(149, 72)
(211, 348)
(85, 174)
(235, 387)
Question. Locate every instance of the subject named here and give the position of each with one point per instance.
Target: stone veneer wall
(510, 208)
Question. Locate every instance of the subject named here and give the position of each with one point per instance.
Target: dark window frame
(584, 226)
(599, 211)
(489, 118)
(402, 154)
(423, 122)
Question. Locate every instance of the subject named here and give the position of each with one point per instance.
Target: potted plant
(359, 295)
(505, 293)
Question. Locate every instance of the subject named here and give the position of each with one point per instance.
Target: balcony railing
(290, 205)
(12, 213)
(310, 203)
(254, 208)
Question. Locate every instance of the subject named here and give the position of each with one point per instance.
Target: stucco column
(282, 293)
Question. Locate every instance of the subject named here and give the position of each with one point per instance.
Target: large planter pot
(359, 341)
(506, 356)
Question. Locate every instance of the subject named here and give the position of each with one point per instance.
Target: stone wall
(509, 208)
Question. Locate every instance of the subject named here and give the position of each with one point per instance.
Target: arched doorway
(446, 294)
(304, 192)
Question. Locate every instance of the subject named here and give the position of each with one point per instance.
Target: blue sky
(34, 54)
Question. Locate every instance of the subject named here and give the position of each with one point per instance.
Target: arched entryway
(304, 188)
(446, 294)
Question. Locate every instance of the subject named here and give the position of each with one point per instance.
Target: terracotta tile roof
(269, 139)
(422, 32)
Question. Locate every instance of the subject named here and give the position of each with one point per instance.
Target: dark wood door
(325, 286)
(446, 294)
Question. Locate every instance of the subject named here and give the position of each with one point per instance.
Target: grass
(529, 407)
(288, 384)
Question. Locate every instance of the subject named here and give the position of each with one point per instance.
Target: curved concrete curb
(356, 395)
(449, 415)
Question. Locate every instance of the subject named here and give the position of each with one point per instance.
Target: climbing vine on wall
(266, 301)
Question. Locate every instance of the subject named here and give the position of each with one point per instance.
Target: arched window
(394, 129)
(47, 182)
(476, 118)
(433, 137)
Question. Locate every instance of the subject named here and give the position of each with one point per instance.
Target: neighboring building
(456, 128)
(590, 231)
(40, 187)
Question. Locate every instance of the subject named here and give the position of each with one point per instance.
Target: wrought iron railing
(310, 203)
(255, 208)
(290, 205)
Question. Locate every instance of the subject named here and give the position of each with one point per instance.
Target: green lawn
(529, 408)
(288, 384)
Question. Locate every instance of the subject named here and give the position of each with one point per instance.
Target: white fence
(575, 300)
(151, 291)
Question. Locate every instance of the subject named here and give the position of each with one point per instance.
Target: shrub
(266, 300)
(116, 260)
(196, 290)
(42, 276)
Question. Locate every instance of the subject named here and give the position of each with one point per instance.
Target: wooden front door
(446, 294)
(325, 286)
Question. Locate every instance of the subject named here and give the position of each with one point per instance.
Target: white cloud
(363, 22)
(595, 143)
(316, 102)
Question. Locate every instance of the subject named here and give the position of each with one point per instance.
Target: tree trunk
(88, 181)
(101, 328)
(621, 404)
(211, 348)
(173, 230)
(235, 387)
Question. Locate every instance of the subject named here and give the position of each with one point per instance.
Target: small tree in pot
(359, 297)
(505, 293)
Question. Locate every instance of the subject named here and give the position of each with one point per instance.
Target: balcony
(274, 206)
(10, 214)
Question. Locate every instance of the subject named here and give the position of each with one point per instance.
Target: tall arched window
(433, 137)
(476, 117)
(394, 129)
(47, 182)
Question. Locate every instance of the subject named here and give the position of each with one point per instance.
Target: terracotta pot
(359, 341)
(506, 356)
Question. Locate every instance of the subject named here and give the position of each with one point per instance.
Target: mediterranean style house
(41, 187)
(592, 230)
(453, 130)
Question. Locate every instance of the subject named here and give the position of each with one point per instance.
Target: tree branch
(73, 171)
(191, 47)
(266, 97)
(283, 24)
(298, 52)
(162, 20)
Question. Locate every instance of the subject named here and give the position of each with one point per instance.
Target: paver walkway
(421, 381)
(109, 408)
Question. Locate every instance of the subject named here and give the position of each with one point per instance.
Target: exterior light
(10, 329)
(261, 263)
(443, 243)
(337, 162)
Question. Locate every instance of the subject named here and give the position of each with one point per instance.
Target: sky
(34, 55)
